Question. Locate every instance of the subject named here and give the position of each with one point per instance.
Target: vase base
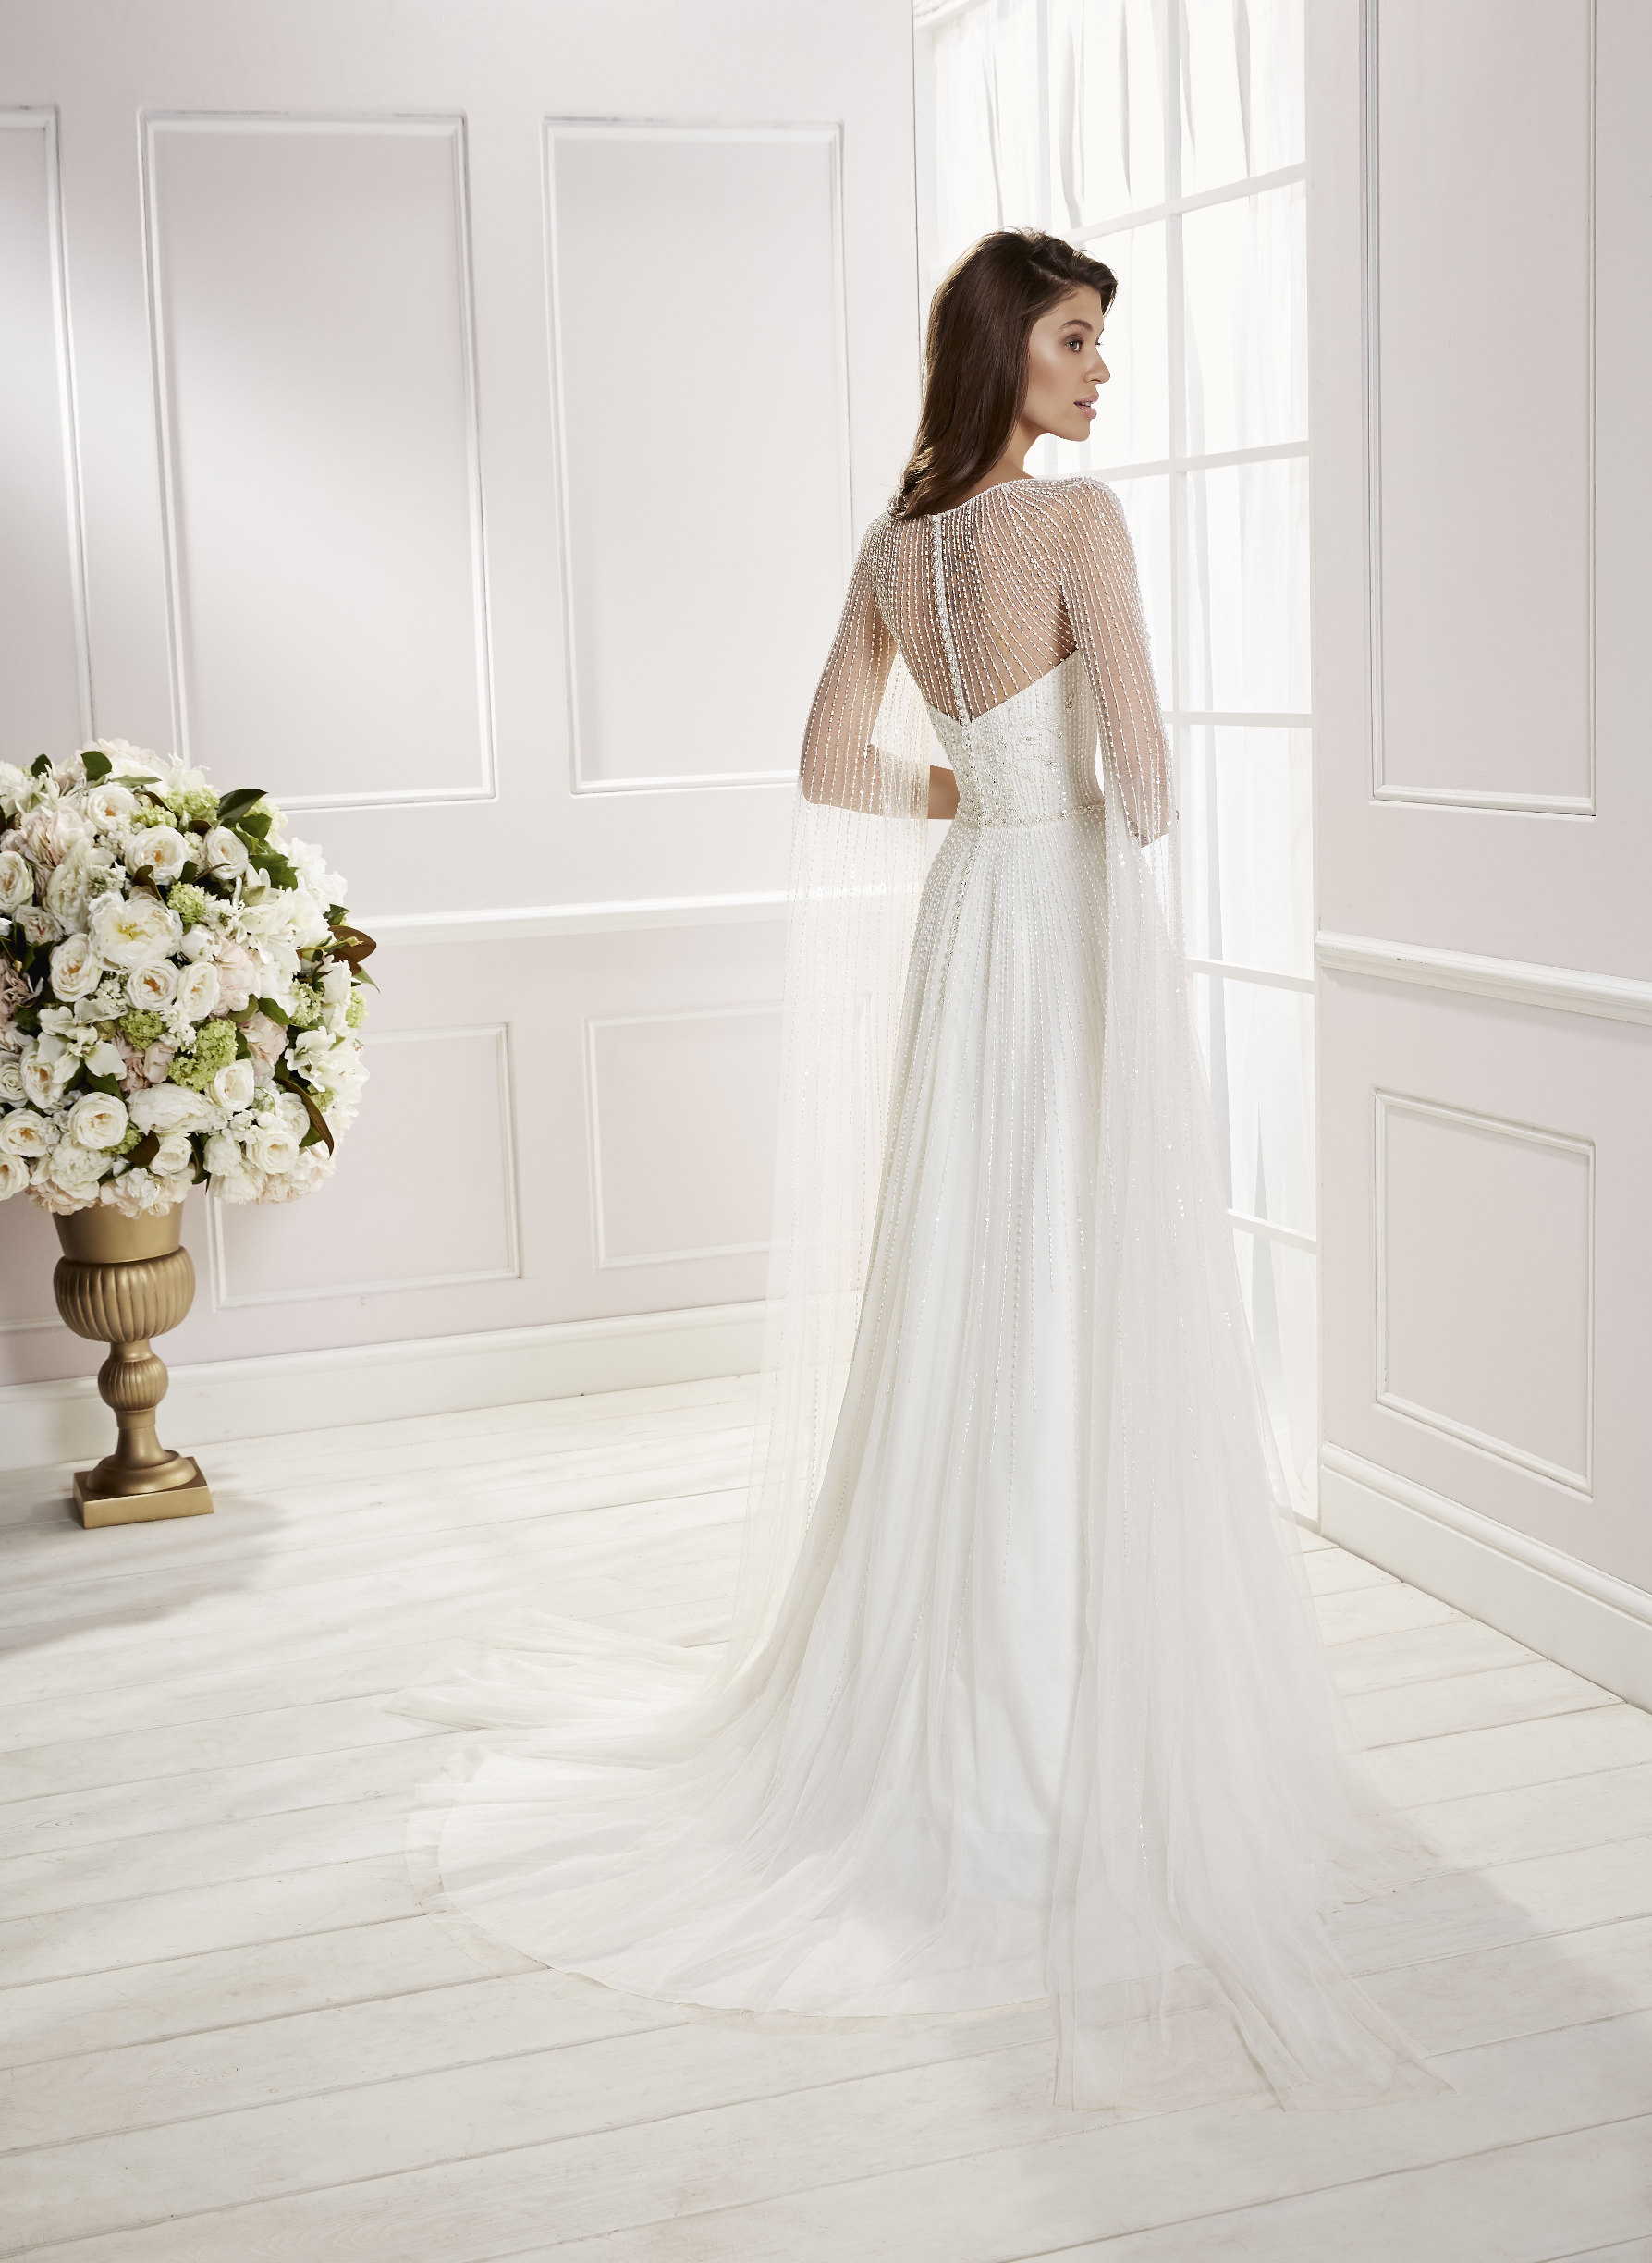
(138, 1507)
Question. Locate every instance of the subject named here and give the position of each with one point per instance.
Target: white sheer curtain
(1167, 135)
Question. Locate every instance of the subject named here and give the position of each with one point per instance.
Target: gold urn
(119, 1281)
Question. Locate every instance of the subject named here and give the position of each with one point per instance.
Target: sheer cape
(1215, 1807)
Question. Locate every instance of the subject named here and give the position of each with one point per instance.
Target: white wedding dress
(1025, 1699)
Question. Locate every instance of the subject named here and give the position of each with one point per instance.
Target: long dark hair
(975, 358)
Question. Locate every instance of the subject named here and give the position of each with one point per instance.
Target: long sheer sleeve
(1104, 606)
(841, 763)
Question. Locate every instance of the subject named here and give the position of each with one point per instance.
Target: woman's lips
(1088, 407)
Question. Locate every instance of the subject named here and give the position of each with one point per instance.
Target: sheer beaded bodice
(985, 604)
(1031, 759)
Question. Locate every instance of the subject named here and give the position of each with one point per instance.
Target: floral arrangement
(180, 989)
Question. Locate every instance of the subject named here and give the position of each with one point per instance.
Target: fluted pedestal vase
(120, 1282)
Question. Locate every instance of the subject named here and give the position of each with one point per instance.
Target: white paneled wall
(458, 426)
(1480, 240)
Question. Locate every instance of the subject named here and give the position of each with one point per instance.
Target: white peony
(83, 873)
(75, 1168)
(133, 931)
(98, 1120)
(173, 1155)
(150, 988)
(24, 1133)
(165, 1108)
(16, 882)
(272, 1146)
(76, 968)
(158, 853)
(224, 854)
(232, 1086)
(196, 990)
(47, 1068)
(14, 1175)
(37, 925)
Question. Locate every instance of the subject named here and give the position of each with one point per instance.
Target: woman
(1025, 1699)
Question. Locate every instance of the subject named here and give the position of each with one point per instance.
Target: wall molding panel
(624, 551)
(209, 1401)
(1612, 997)
(421, 644)
(228, 1223)
(45, 337)
(1470, 1123)
(1383, 787)
(702, 1164)
(1599, 1626)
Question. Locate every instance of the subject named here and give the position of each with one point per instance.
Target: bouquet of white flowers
(180, 989)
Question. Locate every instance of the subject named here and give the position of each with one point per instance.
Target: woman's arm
(839, 764)
(1104, 606)
(943, 791)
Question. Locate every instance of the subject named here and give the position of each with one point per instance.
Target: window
(1167, 137)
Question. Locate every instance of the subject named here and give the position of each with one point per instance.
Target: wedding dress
(1023, 1698)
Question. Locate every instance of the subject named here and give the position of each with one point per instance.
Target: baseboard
(210, 1400)
(1599, 1626)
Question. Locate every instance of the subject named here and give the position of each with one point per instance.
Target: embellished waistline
(1021, 824)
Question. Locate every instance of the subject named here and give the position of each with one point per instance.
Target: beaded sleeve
(840, 763)
(1097, 569)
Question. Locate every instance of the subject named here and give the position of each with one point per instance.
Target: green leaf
(144, 1151)
(318, 1122)
(103, 1083)
(234, 805)
(274, 866)
(40, 765)
(96, 767)
(276, 1013)
(255, 826)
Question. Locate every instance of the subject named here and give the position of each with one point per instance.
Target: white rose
(24, 1133)
(75, 970)
(221, 1154)
(12, 1087)
(14, 1176)
(133, 931)
(98, 1120)
(165, 1108)
(75, 1168)
(16, 882)
(173, 1155)
(274, 1147)
(151, 988)
(232, 1087)
(197, 989)
(201, 941)
(224, 854)
(158, 853)
(108, 806)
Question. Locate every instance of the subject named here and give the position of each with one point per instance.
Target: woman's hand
(943, 791)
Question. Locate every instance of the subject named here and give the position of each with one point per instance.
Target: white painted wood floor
(228, 2033)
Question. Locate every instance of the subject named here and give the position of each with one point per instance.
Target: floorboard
(227, 2030)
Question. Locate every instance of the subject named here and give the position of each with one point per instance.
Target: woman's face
(1065, 370)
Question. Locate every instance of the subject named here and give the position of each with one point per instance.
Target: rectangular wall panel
(1480, 300)
(45, 699)
(682, 1115)
(311, 303)
(1486, 1237)
(704, 446)
(424, 1198)
(1484, 1234)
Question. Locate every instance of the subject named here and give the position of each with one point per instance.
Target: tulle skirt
(867, 1822)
